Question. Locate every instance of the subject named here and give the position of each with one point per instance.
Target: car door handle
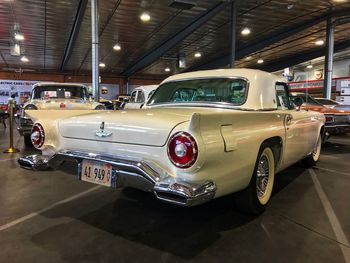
(289, 119)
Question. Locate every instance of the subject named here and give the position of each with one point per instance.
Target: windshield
(59, 92)
(306, 99)
(212, 90)
(327, 102)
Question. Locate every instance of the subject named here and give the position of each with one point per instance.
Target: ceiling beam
(173, 40)
(300, 58)
(265, 41)
(74, 32)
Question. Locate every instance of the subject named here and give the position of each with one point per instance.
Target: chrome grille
(341, 119)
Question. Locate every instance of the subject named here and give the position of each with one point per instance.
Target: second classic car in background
(53, 96)
(202, 135)
(337, 121)
(333, 104)
(139, 96)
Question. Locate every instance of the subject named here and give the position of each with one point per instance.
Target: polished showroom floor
(51, 217)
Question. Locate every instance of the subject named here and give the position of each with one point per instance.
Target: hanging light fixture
(197, 55)
(117, 47)
(19, 36)
(246, 31)
(145, 17)
(24, 59)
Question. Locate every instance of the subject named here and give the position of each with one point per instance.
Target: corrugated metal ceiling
(46, 26)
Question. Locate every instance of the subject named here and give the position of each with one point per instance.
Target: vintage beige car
(203, 135)
(54, 96)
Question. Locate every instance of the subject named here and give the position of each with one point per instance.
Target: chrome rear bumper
(136, 174)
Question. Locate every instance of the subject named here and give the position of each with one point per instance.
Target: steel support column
(327, 87)
(95, 51)
(328, 63)
(233, 34)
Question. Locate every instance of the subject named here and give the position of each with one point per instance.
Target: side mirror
(298, 102)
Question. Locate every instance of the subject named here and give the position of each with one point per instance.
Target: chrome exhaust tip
(34, 162)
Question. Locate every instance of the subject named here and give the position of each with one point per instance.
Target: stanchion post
(114, 105)
(11, 149)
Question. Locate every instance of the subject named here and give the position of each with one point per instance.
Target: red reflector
(38, 135)
(182, 150)
(329, 118)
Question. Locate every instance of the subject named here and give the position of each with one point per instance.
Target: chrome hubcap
(263, 173)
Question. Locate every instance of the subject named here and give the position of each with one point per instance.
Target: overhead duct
(182, 4)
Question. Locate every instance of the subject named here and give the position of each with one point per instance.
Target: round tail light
(182, 150)
(38, 135)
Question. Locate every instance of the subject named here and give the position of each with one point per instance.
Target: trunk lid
(144, 127)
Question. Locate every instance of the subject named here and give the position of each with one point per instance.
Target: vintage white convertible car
(140, 96)
(54, 96)
(202, 135)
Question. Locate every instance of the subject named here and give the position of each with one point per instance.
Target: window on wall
(282, 96)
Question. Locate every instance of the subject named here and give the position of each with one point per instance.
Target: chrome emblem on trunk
(102, 132)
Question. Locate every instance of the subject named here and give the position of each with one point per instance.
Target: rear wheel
(27, 141)
(313, 157)
(256, 196)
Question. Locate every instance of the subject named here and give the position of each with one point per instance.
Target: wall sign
(21, 90)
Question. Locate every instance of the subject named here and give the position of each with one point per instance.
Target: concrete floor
(52, 217)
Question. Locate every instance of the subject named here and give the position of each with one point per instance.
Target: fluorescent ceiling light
(245, 31)
(248, 58)
(197, 55)
(117, 47)
(24, 59)
(145, 17)
(260, 61)
(309, 66)
(167, 69)
(19, 37)
(102, 65)
(319, 42)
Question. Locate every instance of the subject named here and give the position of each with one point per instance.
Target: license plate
(96, 172)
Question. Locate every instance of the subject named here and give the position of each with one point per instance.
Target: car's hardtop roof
(147, 87)
(250, 74)
(41, 84)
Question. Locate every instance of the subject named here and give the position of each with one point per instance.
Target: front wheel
(313, 157)
(256, 196)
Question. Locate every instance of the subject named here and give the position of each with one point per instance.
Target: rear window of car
(208, 90)
(59, 92)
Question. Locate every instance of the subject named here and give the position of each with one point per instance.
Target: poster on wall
(19, 89)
